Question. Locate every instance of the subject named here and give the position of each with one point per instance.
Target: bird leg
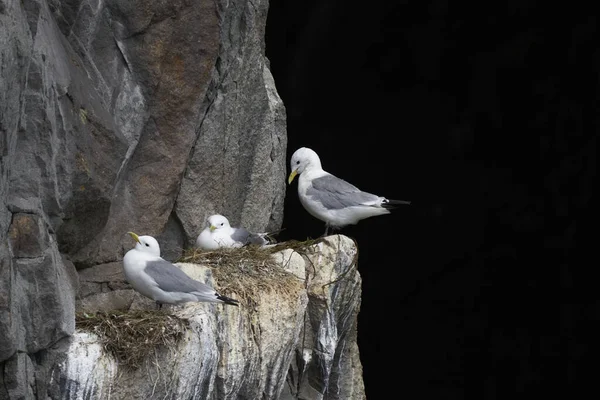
(159, 305)
(326, 230)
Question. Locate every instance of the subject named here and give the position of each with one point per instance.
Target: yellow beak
(212, 228)
(135, 237)
(292, 176)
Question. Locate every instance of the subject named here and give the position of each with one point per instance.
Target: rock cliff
(147, 116)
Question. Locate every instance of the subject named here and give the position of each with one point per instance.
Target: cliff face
(146, 116)
(149, 116)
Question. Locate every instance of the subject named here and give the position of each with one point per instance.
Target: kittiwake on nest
(218, 234)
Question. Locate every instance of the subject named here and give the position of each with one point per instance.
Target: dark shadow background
(486, 117)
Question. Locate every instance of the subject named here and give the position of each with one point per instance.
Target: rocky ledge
(292, 337)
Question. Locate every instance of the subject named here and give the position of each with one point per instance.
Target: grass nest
(130, 336)
(251, 269)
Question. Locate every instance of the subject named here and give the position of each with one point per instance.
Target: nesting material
(131, 335)
(249, 270)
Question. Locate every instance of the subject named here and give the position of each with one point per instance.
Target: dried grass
(130, 336)
(248, 270)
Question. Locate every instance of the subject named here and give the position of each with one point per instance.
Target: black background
(485, 117)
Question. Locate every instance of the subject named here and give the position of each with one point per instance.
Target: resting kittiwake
(163, 282)
(330, 198)
(220, 234)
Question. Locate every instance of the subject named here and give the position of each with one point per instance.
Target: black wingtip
(228, 300)
(267, 238)
(393, 203)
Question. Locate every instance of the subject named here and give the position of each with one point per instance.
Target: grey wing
(242, 235)
(255, 238)
(171, 279)
(335, 193)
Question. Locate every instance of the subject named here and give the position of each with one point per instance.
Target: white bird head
(217, 221)
(146, 244)
(302, 159)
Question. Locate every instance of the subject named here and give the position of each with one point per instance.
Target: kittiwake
(331, 199)
(163, 282)
(218, 233)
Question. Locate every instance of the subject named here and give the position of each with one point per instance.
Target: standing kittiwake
(219, 234)
(163, 282)
(330, 198)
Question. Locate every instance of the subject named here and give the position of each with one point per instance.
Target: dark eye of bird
(147, 245)
(298, 162)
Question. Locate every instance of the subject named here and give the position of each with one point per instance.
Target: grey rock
(101, 278)
(121, 299)
(103, 273)
(27, 236)
(38, 289)
(118, 94)
(172, 240)
(87, 289)
(327, 364)
(8, 343)
(18, 378)
(42, 301)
